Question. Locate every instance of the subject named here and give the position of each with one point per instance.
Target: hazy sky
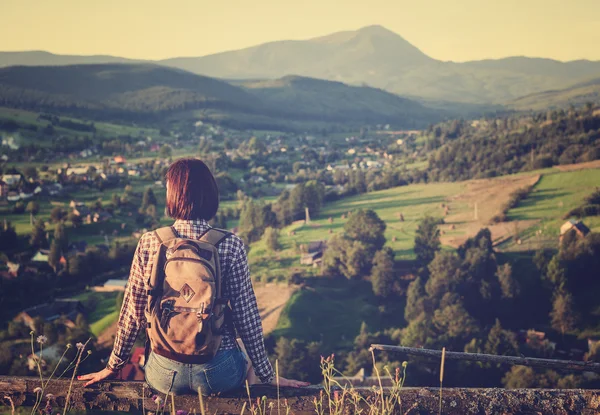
(456, 30)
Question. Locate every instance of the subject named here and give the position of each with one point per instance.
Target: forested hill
(577, 94)
(488, 148)
(150, 92)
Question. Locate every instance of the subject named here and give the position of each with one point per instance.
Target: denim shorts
(225, 372)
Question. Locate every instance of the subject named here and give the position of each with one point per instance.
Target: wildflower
(79, 346)
(37, 390)
(32, 332)
(271, 405)
(404, 364)
(157, 400)
(89, 352)
(69, 345)
(42, 339)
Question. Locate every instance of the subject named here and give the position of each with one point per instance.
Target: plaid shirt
(237, 288)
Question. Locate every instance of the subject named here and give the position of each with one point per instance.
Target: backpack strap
(214, 236)
(166, 234)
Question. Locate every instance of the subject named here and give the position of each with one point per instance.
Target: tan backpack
(185, 311)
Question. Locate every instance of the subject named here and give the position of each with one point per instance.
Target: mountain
(373, 56)
(577, 94)
(41, 58)
(341, 56)
(338, 101)
(157, 93)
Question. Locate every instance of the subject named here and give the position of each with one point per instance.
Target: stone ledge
(133, 397)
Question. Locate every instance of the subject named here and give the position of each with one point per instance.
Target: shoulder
(231, 246)
(148, 242)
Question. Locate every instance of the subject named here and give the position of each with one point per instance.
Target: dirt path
(485, 198)
(271, 299)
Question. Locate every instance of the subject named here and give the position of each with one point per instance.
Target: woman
(193, 199)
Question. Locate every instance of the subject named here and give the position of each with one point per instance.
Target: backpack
(185, 311)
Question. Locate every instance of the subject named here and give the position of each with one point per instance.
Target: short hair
(192, 190)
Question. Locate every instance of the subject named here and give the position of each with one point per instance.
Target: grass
(103, 307)
(554, 196)
(332, 311)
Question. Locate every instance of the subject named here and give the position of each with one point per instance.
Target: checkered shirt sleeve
(237, 288)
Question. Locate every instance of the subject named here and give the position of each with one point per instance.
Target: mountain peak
(377, 30)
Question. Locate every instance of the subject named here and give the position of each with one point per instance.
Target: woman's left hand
(97, 376)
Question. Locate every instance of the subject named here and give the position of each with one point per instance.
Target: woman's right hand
(289, 383)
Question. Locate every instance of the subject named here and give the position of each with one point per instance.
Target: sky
(457, 30)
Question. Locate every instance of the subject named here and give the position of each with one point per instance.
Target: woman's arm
(245, 312)
(131, 317)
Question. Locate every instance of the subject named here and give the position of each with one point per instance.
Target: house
(13, 197)
(578, 226)
(11, 179)
(119, 160)
(134, 173)
(112, 286)
(63, 309)
(41, 256)
(314, 254)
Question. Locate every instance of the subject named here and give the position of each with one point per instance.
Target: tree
(38, 235)
(555, 272)
(501, 342)
(31, 173)
(75, 220)
(427, 240)
(165, 151)
(54, 256)
(33, 208)
(148, 199)
(271, 238)
(382, 274)
(8, 237)
(415, 299)
(204, 147)
(57, 214)
(508, 284)
(298, 359)
(366, 226)
(255, 217)
(563, 317)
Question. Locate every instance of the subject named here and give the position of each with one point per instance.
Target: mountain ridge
(374, 56)
(155, 92)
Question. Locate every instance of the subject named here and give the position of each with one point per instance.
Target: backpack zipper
(204, 262)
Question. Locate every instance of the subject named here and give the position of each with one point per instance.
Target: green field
(552, 198)
(103, 308)
(332, 311)
(413, 201)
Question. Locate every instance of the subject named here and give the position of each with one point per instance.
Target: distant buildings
(64, 309)
(314, 254)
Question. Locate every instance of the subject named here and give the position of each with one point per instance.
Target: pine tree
(54, 255)
(271, 238)
(427, 240)
(38, 235)
(415, 300)
(509, 286)
(382, 274)
(33, 208)
(563, 317)
(148, 199)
